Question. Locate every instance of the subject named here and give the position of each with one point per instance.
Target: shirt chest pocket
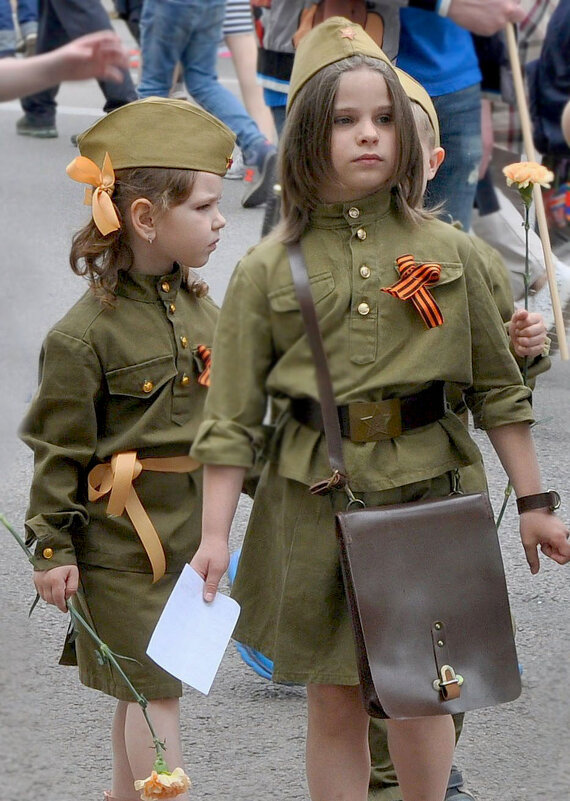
(285, 306)
(285, 299)
(142, 380)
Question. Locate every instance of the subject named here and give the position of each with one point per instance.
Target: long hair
(305, 153)
(100, 258)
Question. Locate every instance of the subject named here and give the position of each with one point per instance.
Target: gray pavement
(246, 739)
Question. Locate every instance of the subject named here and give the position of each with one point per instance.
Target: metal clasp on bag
(449, 684)
(353, 501)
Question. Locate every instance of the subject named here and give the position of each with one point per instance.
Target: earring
(150, 239)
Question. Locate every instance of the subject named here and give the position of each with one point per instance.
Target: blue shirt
(437, 52)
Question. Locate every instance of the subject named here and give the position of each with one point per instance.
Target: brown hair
(99, 258)
(305, 154)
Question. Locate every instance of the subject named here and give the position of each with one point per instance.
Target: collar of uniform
(356, 212)
(147, 288)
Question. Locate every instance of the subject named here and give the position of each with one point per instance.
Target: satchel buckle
(371, 422)
(449, 683)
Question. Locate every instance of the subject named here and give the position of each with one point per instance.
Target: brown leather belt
(386, 419)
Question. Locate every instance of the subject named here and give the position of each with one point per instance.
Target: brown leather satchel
(424, 581)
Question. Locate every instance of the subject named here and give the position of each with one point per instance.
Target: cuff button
(47, 553)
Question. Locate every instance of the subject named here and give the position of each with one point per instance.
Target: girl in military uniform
(351, 177)
(115, 498)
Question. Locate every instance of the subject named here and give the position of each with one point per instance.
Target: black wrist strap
(542, 500)
(426, 5)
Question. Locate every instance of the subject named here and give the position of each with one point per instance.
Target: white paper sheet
(191, 635)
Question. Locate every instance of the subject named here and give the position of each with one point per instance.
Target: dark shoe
(458, 794)
(455, 791)
(26, 127)
(272, 210)
(259, 176)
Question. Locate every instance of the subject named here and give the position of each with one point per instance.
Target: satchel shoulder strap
(326, 395)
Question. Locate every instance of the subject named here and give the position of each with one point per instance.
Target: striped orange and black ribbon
(205, 355)
(413, 285)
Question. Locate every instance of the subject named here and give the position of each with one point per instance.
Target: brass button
(47, 553)
(361, 234)
(148, 386)
(365, 271)
(363, 309)
(172, 308)
(165, 286)
(184, 341)
(353, 212)
(185, 380)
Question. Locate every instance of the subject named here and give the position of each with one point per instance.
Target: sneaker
(237, 170)
(26, 127)
(259, 176)
(30, 42)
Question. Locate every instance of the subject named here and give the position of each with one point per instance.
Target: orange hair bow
(86, 171)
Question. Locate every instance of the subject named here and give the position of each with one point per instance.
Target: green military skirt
(123, 608)
(116, 594)
(289, 581)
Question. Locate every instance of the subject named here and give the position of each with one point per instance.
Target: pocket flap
(285, 299)
(141, 380)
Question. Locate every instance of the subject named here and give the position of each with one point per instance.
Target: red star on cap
(347, 33)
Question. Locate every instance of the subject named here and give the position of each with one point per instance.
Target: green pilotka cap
(338, 38)
(416, 92)
(333, 40)
(160, 132)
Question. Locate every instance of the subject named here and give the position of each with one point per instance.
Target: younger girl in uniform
(115, 499)
(351, 176)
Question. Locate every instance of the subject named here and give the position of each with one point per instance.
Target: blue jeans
(189, 32)
(456, 181)
(27, 12)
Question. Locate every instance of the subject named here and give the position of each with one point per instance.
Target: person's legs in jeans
(456, 181)
(39, 118)
(7, 32)
(27, 12)
(189, 31)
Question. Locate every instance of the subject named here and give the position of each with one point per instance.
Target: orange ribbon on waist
(413, 285)
(116, 477)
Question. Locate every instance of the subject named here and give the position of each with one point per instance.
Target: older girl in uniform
(115, 499)
(351, 176)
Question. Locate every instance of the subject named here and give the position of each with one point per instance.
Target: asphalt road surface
(246, 739)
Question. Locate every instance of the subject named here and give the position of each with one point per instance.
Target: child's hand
(57, 585)
(528, 333)
(540, 527)
(211, 561)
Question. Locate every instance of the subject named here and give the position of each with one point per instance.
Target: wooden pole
(537, 192)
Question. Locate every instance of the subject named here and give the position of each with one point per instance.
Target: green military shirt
(112, 380)
(377, 346)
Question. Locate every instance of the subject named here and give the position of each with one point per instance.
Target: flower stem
(526, 278)
(104, 649)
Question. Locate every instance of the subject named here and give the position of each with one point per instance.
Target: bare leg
(422, 751)
(165, 717)
(123, 781)
(338, 759)
(243, 48)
